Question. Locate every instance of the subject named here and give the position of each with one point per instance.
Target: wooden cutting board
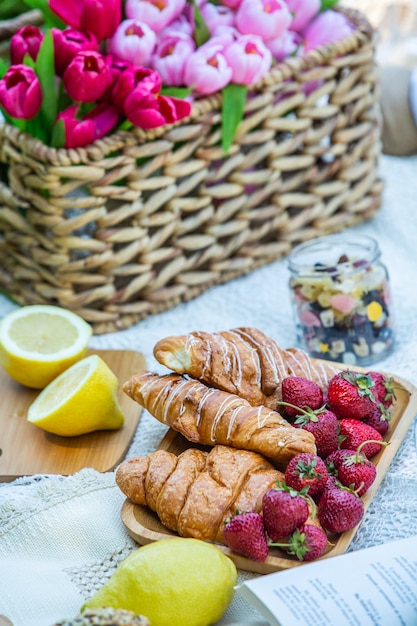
(28, 450)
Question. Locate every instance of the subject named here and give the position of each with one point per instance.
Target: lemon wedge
(80, 400)
(38, 342)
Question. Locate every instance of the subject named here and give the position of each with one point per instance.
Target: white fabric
(61, 538)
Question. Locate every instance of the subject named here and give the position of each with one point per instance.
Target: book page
(372, 587)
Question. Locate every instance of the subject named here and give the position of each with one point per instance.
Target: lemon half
(38, 342)
(80, 400)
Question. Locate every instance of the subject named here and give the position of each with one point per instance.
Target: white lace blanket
(61, 538)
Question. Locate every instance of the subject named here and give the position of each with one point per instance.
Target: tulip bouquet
(103, 65)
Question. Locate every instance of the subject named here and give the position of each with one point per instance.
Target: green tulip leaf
(45, 71)
(201, 31)
(49, 17)
(58, 135)
(328, 4)
(176, 92)
(234, 99)
(4, 66)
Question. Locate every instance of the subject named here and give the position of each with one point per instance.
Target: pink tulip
(135, 79)
(152, 110)
(284, 46)
(303, 12)
(67, 44)
(155, 13)
(217, 15)
(100, 17)
(20, 92)
(87, 77)
(326, 27)
(96, 124)
(26, 40)
(266, 18)
(207, 70)
(249, 59)
(170, 57)
(133, 41)
(180, 26)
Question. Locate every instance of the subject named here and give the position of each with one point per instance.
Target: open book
(372, 587)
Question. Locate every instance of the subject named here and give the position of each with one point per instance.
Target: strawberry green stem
(358, 450)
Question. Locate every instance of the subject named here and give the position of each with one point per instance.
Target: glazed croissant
(243, 361)
(210, 416)
(196, 493)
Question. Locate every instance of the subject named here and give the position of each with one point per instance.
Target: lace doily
(62, 537)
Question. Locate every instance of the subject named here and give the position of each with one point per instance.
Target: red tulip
(26, 40)
(155, 110)
(87, 77)
(100, 17)
(96, 124)
(135, 79)
(117, 67)
(67, 44)
(20, 92)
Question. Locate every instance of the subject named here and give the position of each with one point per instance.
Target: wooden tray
(144, 526)
(28, 450)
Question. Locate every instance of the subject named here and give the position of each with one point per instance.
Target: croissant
(243, 361)
(196, 493)
(210, 416)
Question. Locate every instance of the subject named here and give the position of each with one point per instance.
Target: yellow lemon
(172, 582)
(38, 342)
(80, 400)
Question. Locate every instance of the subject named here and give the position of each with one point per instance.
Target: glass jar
(341, 299)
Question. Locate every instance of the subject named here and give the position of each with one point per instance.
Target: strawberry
(383, 388)
(307, 543)
(353, 433)
(357, 472)
(349, 395)
(324, 425)
(335, 459)
(245, 534)
(340, 510)
(300, 392)
(306, 470)
(284, 510)
(379, 418)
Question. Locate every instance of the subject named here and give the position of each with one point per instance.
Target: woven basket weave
(139, 221)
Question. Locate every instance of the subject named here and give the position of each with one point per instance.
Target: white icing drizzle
(227, 404)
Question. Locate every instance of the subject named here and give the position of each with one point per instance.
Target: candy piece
(307, 318)
(374, 311)
(344, 304)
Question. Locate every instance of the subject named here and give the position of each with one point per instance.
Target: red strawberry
(324, 425)
(383, 389)
(335, 459)
(245, 533)
(379, 419)
(340, 510)
(284, 510)
(300, 392)
(306, 543)
(353, 433)
(357, 472)
(349, 395)
(306, 470)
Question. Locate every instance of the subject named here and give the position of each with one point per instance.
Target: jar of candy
(341, 299)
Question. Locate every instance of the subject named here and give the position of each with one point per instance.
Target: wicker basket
(140, 221)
